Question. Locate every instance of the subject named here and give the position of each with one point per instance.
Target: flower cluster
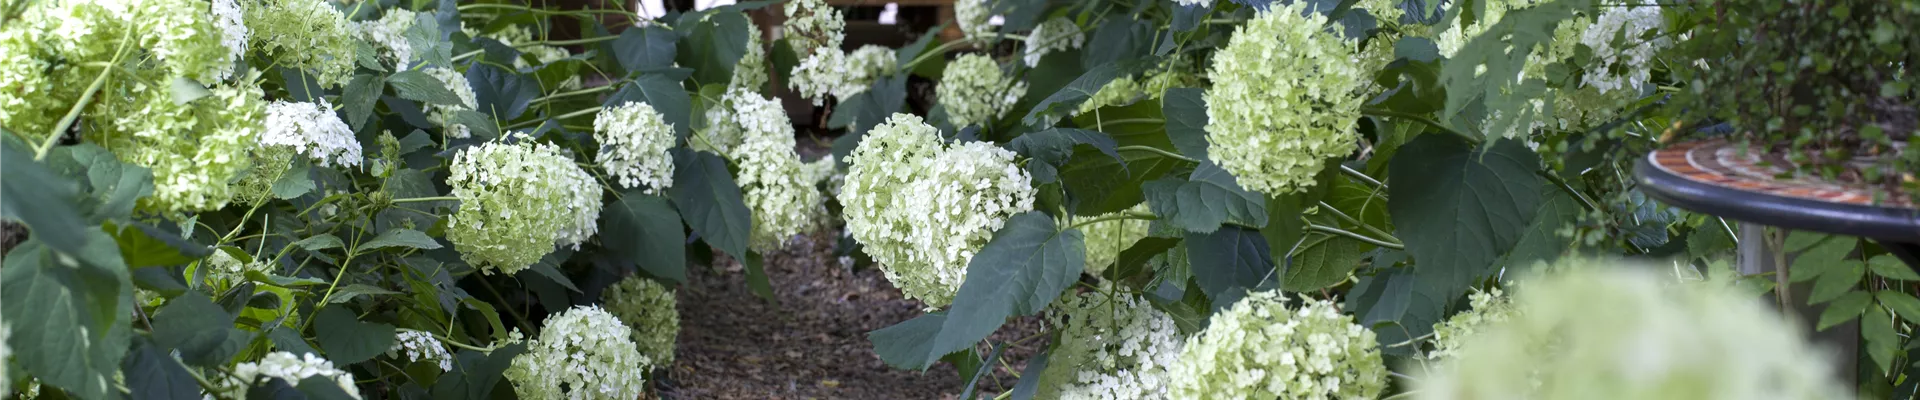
(5, 351)
(223, 267)
(832, 72)
(1106, 239)
(421, 346)
(1058, 34)
(195, 149)
(633, 146)
(1110, 348)
(231, 20)
(518, 201)
(974, 91)
(813, 26)
(311, 129)
(1120, 91)
(1603, 331)
(754, 133)
(751, 72)
(1261, 349)
(582, 353)
(1284, 100)
(388, 34)
(923, 209)
(974, 19)
(286, 367)
(650, 309)
(1490, 307)
(442, 115)
(307, 34)
(1626, 67)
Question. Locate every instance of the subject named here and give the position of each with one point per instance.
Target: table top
(1726, 179)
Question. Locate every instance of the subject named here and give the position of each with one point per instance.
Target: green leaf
(152, 374)
(323, 388)
(186, 90)
(348, 292)
(713, 45)
(709, 201)
(1459, 209)
(1903, 304)
(1186, 114)
(283, 281)
(501, 93)
(41, 199)
(1817, 254)
(1053, 148)
(1069, 98)
(665, 95)
(1844, 309)
(870, 108)
(142, 245)
(320, 242)
(400, 237)
(1322, 261)
(476, 375)
(1099, 185)
(1881, 339)
(346, 339)
(1837, 281)
(1029, 383)
(1133, 260)
(973, 379)
(483, 125)
(429, 44)
(117, 187)
(418, 86)
(548, 271)
(359, 97)
(192, 325)
(1709, 240)
(1886, 266)
(1024, 268)
(646, 230)
(295, 182)
(906, 344)
(1207, 199)
(757, 280)
(1542, 240)
(643, 48)
(1482, 72)
(79, 306)
(1229, 262)
(1120, 38)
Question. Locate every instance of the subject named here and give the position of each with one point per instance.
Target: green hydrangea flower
(751, 72)
(922, 210)
(388, 34)
(195, 150)
(1106, 239)
(1109, 348)
(307, 34)
(1489, 307)
(1120, 91)
(582, 353)
(754, 133)
(813, 26)
(518, 201)
(1260, 349)
(1058, 34)
(633, 146)
(974, 16)
(1599, 330)
(650, 309)
(975, 92)
(442, 115)
(1285, 98)
(832, 72)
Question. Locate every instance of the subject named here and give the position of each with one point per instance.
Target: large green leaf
(643, 48)
(646, 230)
(757, 280)
(1098, 185)
(1459, 208)
(1078, 91)
(418, 86)
(1120, 38)
(712, 45)
(359, 97)
(192, 325)
(152, 374)
(1542, 240)
(346, 339)
(1204, 201)
(863, 111)
(906, 344)
(501, 93)
(1186, 115)
(1399, 304)
(115, 187)
(1022, 270)
(399, 237)
(1053, 148)
(475, 374)
(295, 182)
(1322, 261)
(79, 306)
(1229, 262)
(710, 201)
(143, 245)
(665, 95)
(41, 199)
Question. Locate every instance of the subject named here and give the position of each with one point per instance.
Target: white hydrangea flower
(923, 210)
(1285, 98)
(312, 129)
(582, 353)
(751, 72)
(442, 115)
(831, 72)
(974, 20)
(633, 146)
(287, 367)
(310, 35)
(518, 201)
(754, 133)
(1110, 348)
(1489, 307)
(974, 91)
(813, 26)
(5, 332)
(650, 309)
(196, 150)
(1058, 34)
(222, 267)
(1106, 239)
(388, 34)
(1260, 349)
(1635, 18)
(421, 346)
(232, 23)
(1602, 331)
(1201, 3)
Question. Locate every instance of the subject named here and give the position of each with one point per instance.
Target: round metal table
(1722, 178)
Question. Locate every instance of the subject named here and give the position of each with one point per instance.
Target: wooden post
(1758, 253)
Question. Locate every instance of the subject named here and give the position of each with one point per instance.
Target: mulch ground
(812, 344)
